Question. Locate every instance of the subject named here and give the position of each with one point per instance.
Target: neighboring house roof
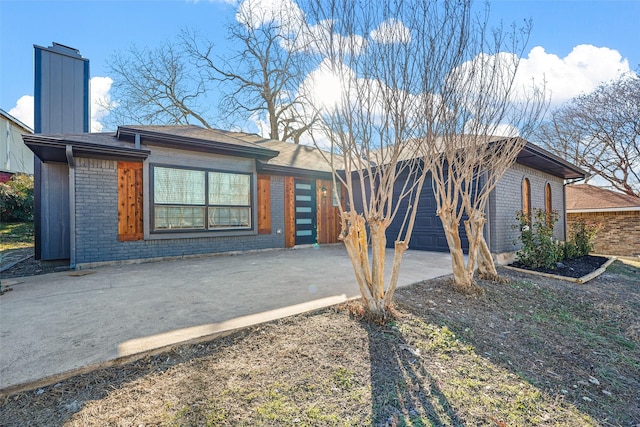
(589, 198)
(15, 121)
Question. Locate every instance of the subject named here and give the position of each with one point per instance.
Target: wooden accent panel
(526, 197)
(264, 204)
(328, 215)
(289, 212)
(130, 204)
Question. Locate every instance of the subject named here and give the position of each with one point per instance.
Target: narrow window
(548, 207)
(526, 198)
(547, 198)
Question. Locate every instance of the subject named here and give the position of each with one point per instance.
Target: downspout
(72, 206)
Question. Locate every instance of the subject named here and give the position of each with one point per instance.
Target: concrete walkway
(57, 324)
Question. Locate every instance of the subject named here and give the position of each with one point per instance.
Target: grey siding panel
(55, 211)
(507, 200)
(97, 222)
(61, 101)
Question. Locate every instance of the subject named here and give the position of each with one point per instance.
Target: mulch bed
(575, 268)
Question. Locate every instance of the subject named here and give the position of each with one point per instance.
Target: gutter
(596, 210)
(72, 206)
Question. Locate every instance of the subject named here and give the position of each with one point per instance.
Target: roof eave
(566, 169)
(292, 171)
(596, 210)
(53, 149)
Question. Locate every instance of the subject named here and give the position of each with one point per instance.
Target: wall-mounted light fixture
(324, 191)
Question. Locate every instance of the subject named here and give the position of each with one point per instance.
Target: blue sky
(99, 28)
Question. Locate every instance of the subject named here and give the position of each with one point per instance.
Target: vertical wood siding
(130, 203)
(289, 212)
(328, 215)
(264, 204)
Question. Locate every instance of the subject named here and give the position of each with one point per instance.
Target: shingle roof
(581, 197)
(291, 155)
(275, 156)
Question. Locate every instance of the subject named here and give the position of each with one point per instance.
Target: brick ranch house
(617, 215)
(152, 192)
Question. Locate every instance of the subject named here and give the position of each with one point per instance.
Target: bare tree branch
(261, 79)
(600, 132)
(156, 86)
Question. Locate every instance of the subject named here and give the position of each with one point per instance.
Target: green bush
(582, 235)
(16, 199)
(539, 248)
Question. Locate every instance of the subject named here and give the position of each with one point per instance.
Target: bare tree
(600, 132)
(420, 95)
(157, 86)
(470, 156)
(260, 79)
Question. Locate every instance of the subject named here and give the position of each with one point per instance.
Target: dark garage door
(428, 234)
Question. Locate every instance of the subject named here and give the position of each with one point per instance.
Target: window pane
(229, 189)
(334, 199)
(229, 217)
(170, 218)
(178, 186)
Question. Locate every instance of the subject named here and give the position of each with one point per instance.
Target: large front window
(187, 199)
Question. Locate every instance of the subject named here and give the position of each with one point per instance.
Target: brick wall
(97, 222)
(506, 200)
(619, 233)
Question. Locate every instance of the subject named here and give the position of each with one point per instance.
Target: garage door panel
(428, 234)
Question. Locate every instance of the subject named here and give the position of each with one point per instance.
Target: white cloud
(391, 31)
(100, 104)
(23, 110)
(292, 23)
(100, 101)
(285, 13)
(581, 71)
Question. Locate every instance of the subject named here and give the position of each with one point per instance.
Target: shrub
(582, 235)
(16, 199)
(539, 247)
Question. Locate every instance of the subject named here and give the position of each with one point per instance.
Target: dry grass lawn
(531, 352)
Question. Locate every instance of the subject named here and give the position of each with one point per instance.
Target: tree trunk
(462, 272)
(486, 266)
(369, 272)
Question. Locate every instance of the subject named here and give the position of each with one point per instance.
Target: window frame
(206, 230)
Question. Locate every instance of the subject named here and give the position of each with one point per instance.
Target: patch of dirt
(534, 351)
(28, 266)
(575, 268)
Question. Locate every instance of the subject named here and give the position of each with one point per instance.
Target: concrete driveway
(55, 325)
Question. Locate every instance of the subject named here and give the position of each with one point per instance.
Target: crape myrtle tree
(373, 76)
(419, 93)
(600, 132)
(489, 113)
